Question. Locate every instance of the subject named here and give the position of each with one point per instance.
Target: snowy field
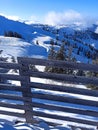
(10, 123)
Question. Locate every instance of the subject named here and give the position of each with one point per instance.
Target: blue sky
(44, 10)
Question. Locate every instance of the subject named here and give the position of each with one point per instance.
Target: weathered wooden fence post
(27, 95)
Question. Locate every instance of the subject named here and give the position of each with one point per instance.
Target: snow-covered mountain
(35, 39)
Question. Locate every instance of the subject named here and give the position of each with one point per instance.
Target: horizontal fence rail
(60, 64)
(50, 95)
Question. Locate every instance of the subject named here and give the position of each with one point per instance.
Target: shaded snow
(10, 123)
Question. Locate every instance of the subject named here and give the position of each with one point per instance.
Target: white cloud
(97, 22)
(32, 19)
(67, 17)
(56, 18)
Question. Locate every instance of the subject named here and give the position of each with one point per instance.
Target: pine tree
(51, 56)
(70, 53)
(61, 55)
(52, 53)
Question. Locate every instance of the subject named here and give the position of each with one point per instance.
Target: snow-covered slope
(10, 46)
(17, 47)
(15, 26)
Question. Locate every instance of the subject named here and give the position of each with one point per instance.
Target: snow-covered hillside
(36, 39)
(17, 47)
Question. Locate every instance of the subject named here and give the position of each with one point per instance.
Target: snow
(41, 41)
(9, 123)
(12, 46)
(17, 47)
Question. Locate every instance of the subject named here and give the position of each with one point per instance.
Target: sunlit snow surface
(18, 47)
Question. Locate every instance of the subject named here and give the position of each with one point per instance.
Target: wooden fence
(53, 97)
